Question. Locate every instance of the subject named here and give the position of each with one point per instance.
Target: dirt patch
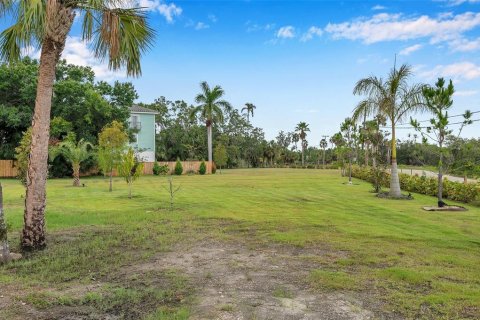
(234, 281)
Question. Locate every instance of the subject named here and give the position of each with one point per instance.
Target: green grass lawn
(413, 262)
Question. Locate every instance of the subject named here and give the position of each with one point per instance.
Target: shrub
(156, 168)
(214, 168)
(455, 191)
(164, 169)
(178, 168)
(203, 168)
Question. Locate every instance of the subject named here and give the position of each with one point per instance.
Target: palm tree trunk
(76, 174)
(209, 142)
(5, 251)
(395, 191)
(58, 26)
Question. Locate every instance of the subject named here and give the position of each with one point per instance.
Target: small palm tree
(75, 153)
(210, 109)
(302, 129)
(249, 107)
(116, 31)
(393, 99)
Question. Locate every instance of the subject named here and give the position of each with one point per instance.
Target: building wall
(145, 142)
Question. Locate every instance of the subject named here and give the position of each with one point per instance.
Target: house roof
(138, 109)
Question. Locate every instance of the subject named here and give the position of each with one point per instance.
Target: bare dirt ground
(235, 282)
(229, 280)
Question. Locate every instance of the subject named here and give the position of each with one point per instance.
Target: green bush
(203, 168)
(455, 191)
(156, 168)
(178, 168)
(164, 170)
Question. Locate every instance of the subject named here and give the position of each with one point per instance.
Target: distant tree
(75, 153)
(349, 132)
(210, 109)
(323, 145)
(220, 156)
(393, 99)
(439, 100)
(249, 107)
(302, 129)
(111, 144)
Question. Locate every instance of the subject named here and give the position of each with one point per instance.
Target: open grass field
(245, 244)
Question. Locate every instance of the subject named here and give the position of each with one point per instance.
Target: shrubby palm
(75, 153)
(392, 98)
(116, 32)
(210, 109)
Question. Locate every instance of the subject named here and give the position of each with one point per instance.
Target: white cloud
(465, 93)
(169, 11)
(77, 52)
(464, 45)
(254, 27)
(391, 27)
(313, 31)
(201, 26)
(408, 50)
(457, 71)
(459, 2)
(212, 18)
(286, 32)
(379, 7)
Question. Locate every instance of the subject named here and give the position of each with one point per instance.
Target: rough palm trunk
(209, 137)
(59, 21)
(76, 174)
(395, 191)
(5, 251)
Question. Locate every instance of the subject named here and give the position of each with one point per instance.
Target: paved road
(434, 174)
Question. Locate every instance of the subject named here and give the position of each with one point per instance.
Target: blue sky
(299, 60)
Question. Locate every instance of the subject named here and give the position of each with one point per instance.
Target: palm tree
(116, 31)
(323, 145)
(75, 153)
(393, 99)
(210, 109)
(249, 107)
(302, 129)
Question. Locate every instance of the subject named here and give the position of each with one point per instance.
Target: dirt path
(234, 282)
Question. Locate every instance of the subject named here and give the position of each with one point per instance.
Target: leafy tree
(220, 156)
(439, 100)
(302, 129)
(75, 153)
(393, 99)
(111, 144)
(210, 109)
(130, 168)
(120, 33)
(249, 108)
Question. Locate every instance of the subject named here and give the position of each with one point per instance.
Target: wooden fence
(8, 169)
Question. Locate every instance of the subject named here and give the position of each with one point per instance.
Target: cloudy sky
(299, 60)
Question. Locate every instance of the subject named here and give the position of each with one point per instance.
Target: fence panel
(8, 169)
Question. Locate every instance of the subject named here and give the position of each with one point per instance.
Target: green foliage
(111, 143)
(203, 168)
(220, 155)
(22, 153)
(156, 168)
(130, 168)
(421, 184)
(178, 168)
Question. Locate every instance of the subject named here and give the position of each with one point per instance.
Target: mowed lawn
(406, 262)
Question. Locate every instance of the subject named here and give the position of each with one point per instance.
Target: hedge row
(455, 191)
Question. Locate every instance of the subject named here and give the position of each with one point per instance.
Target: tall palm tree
(210, 109)
(249, 107)
(323, 145)
(115, 31)
(75, 153)
(302, 129)
(392, 98)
